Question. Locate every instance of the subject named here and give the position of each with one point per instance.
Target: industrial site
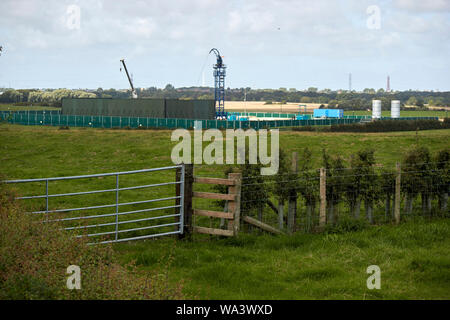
(294, 150)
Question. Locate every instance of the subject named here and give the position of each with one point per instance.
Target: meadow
(413, 257)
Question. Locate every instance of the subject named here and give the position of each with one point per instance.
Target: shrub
(380, 126)
(347, 224)
(35, 256)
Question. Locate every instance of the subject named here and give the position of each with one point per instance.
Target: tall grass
(34, 257)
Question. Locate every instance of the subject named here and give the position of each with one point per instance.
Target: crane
(219, 84)
(133, 91)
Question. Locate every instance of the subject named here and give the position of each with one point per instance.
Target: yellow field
(260, 106)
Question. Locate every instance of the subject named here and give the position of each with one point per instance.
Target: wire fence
(351, 195)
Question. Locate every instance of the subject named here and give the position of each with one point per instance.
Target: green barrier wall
(148, 108)
(144, 122)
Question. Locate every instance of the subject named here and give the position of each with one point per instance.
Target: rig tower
(219, 85)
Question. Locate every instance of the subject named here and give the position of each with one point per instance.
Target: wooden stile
(233, 197)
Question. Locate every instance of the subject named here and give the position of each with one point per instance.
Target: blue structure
(236, 117)
(328, 113)
(219, 85)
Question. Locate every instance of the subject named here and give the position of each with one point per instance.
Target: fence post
(323, 198)
(397, 198)
(187, 205)
(235, 206)
(292, 206)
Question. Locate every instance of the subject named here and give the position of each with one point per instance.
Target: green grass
(413, 259)
(11, 107)
(407, 113)
(33, 152)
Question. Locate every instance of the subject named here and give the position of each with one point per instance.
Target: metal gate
(140, 219)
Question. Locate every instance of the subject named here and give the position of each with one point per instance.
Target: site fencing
(287, 115)
(51, 119)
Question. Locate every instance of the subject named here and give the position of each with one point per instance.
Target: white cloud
(271, 29)
(423, 5)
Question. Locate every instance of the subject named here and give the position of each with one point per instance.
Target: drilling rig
(219, 85)
(133, 91)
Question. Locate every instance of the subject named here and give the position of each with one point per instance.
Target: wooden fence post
(235, 206)
(292, 205)
(323, 198)
(397, 197)
(187, 205)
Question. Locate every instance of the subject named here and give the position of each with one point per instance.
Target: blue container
(328, 113)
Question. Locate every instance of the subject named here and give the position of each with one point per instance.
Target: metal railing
(178, 206)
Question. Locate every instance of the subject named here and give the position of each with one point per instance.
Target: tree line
(357, 183)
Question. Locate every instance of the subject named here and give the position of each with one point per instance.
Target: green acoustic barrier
(136, 108)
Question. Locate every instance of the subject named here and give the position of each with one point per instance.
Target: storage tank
(395, 109)
(376, 109)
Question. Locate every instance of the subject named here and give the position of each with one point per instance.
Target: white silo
(395, 109)
(376, 109)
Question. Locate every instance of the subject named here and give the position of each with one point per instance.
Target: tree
(387, 185)
(442, 178)
(416, 178)
(283, 182)
(335, 182)
(169, 87)
(308, 185)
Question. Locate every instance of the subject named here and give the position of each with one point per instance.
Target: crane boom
(133, 91)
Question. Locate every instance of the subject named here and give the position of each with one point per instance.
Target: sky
(264, 43)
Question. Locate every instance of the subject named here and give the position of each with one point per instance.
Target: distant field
(260, 106)
(427, 113)
(35, 151)
(20, 108)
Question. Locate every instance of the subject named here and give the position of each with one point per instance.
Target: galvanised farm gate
(119, 210)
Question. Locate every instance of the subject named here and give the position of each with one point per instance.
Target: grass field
(407, 113)
(10, 107)
(33, 152)
(260, 106)
(413, 258)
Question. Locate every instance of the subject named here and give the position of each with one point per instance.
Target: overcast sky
(265, 43)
